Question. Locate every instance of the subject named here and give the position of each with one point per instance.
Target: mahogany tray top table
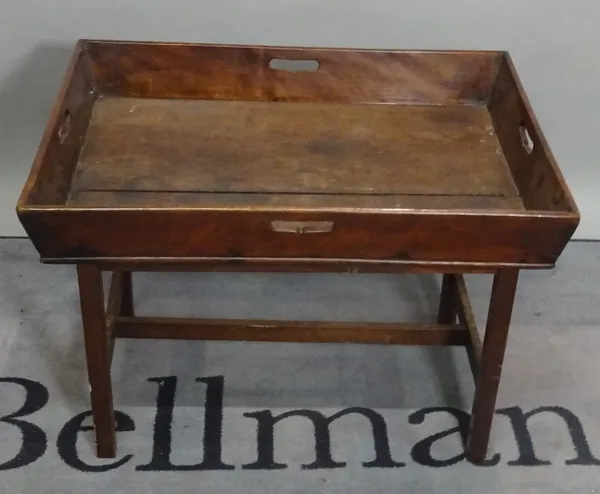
(191, 157)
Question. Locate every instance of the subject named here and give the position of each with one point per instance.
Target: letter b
(34, 440)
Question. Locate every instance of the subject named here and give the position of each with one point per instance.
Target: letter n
(527, 457)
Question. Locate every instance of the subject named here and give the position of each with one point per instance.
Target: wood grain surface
(288, 148)
(221, 72)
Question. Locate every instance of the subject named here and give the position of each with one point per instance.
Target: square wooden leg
(448, 301)
(97, 355)
(127, 300)
(490, 365)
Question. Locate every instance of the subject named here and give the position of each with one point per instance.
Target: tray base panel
(200, 153)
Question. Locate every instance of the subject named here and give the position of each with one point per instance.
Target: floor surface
(208, 417)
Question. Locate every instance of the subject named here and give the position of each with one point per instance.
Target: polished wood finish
(292, 331)
(246, 145)
(490, 366)
(192, 157)
(98, 359)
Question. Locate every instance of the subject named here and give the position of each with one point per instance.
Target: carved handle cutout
(294, 65)
(65, 127)
(301, 227)
(526, 139)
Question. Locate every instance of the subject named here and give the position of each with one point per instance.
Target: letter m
(323, 457)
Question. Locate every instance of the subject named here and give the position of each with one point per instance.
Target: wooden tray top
(177, 152)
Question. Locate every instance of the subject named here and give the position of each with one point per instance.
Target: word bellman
(35, 441)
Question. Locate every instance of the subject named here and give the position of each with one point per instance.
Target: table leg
(492, 356)
(127, 301)
(448, 300)
(97, 355)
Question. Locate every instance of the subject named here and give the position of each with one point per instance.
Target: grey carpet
(551, 369)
